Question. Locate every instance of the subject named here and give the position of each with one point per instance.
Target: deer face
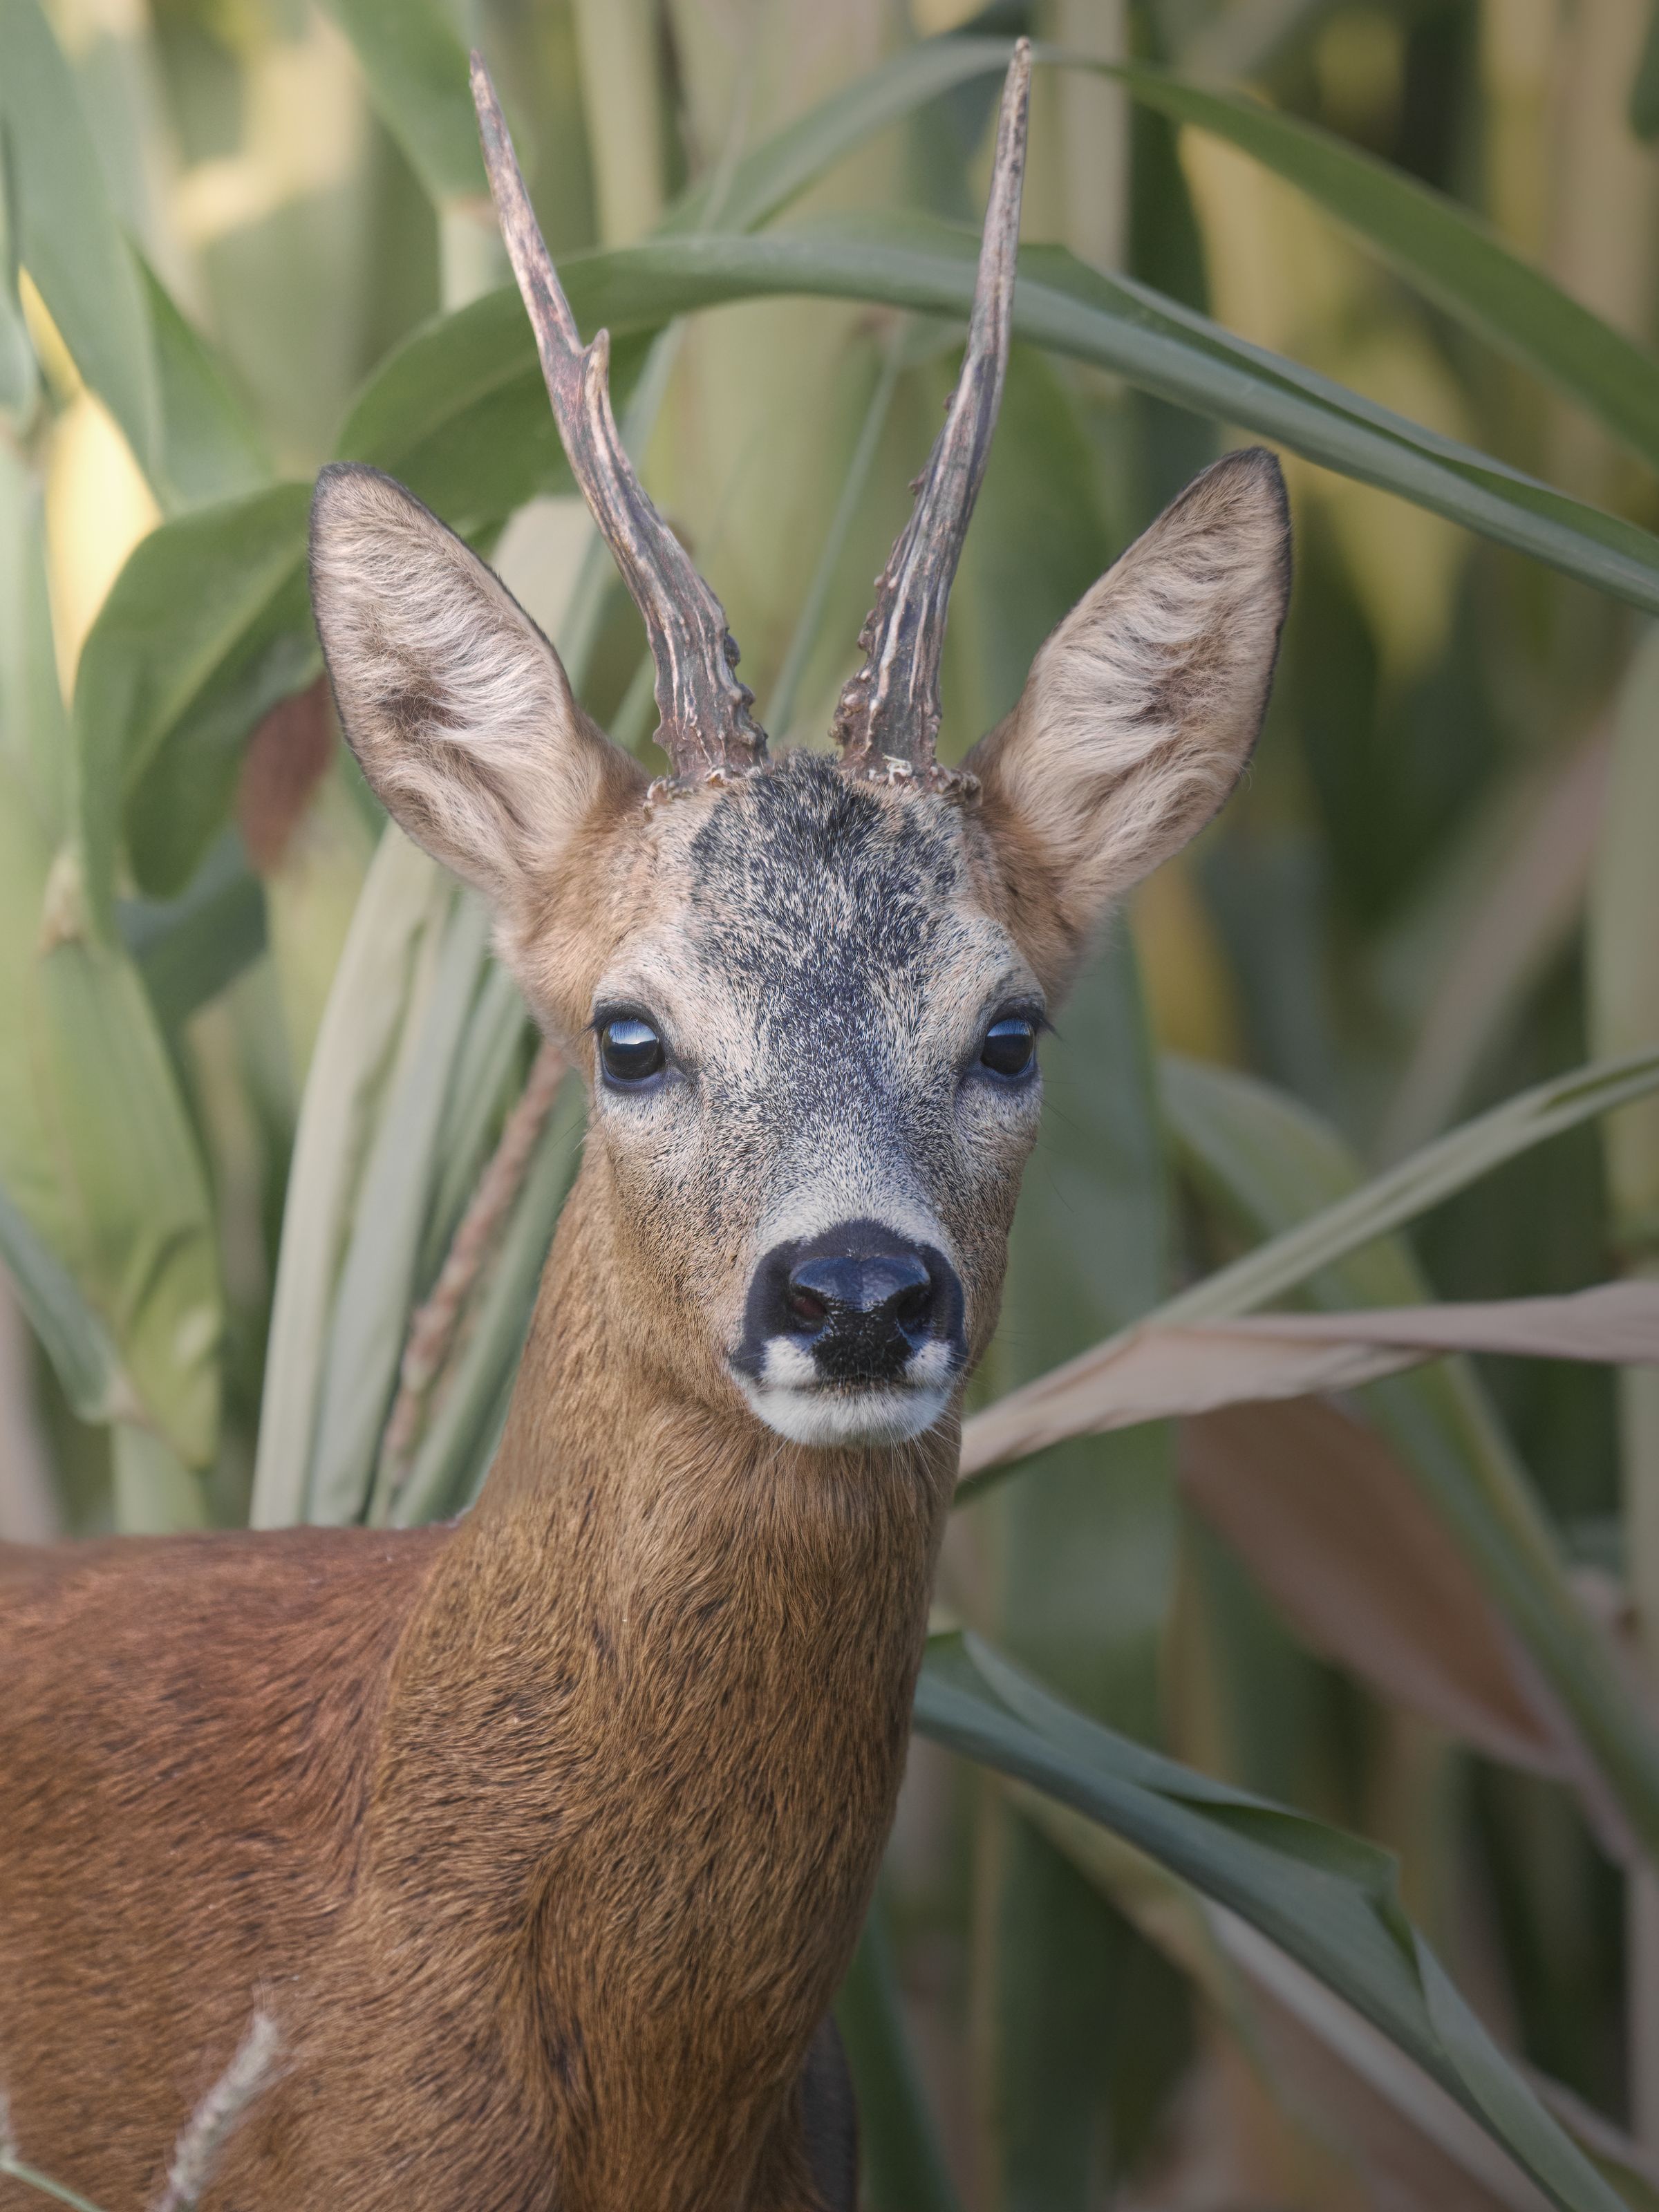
(806, 994)
(807, 1002)
(814, 1084)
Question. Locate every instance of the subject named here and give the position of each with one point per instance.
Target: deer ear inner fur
(1142, 709)
(454, 703)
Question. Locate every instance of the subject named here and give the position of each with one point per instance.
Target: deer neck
(657, 1701)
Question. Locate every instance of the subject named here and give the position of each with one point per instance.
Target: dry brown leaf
(1337, 1534)
(286, 760)
(1157, 1371)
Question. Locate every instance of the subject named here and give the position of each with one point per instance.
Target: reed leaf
(468, 378)
(68, 236)
(1330, 1900)
(404, 902)
(1154, 1373)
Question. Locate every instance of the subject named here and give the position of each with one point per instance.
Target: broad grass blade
(73, 1334)
(1155, 1372)
(482, 360)
(415, 67)
(1263, 1160)
(1528, 909)
(97, 1155)
(406, 900)
(470, 1401)
(67, 234)
(1081, 1565)
(156, 1493)
(377, 1275)
(1350, 2093)
(1388, 1201)
(903, 2162)
(1438, 246)
(1327, 1899)
(1429, 240)
(211, 448)
(206, 627)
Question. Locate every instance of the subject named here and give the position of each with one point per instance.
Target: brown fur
(544, 1839)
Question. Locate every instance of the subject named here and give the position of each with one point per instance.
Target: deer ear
(1143, 708)
(454, 702)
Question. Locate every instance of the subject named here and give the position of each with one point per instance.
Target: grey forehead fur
(829, 913)
(820, 896)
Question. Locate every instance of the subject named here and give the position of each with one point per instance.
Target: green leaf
(1330, 1900)
(403, 904)
(904, 2167)
(455, 1453)
(377, 1276)
(96, 1153)
(210, 449)
(1431, 241)
(155, 1492)
(1270, 1161)
(68, 237)
(466, 375)
(486, 1079)
(19, 377)
(205, 628)
(459, 413)
(417, 70)
(793, 158)
(1085, 1559)
(188, 949)
(79, 1345)
(1439, 248)
(1645, 86)
(1388, 1201)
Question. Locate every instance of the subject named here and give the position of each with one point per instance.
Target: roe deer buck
(544, 1838)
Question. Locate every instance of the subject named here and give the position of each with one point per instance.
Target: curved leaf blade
(1445, 251)
(417, 70)
(210, 448)
(452, 380)
(1329, 1900)
(80, 1347)
(68, 237)
(205, 628)
(785, 165)
(1439, 248)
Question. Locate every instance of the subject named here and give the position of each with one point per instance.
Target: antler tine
(702, 708)
(889, 715)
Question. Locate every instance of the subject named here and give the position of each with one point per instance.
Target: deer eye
(1010, 1046)
(630, 1051)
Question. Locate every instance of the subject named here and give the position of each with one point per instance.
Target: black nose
(860, 1300)
(886, 1291)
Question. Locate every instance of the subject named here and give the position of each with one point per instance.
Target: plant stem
(31, 2177)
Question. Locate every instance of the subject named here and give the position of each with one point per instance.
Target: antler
(703, 709)
(889, 715)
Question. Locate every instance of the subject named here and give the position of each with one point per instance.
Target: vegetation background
(255, 1056)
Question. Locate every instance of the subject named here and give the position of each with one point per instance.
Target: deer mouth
(809, 1410)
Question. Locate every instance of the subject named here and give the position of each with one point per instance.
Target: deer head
(806, 992)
